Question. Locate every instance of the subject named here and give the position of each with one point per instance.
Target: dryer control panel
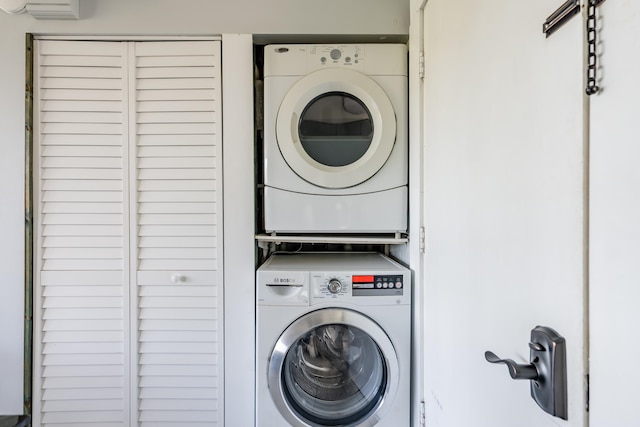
(338, 55)
(378, 59)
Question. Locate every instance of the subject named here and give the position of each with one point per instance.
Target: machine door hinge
(421, 65)
(423, 415)
(422, 240)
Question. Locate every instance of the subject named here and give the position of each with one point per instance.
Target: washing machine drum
(336, 128)
(334, 374)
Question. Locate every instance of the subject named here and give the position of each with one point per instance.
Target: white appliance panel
(298, 212)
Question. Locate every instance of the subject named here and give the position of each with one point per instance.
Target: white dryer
(335, 142)
(333, 341)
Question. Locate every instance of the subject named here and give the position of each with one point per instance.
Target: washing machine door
(333, 367)
(336, 128)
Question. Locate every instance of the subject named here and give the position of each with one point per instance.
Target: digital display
(362, 282)
(362, 279)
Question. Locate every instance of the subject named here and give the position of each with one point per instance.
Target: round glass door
(336, 128)
(336, 373)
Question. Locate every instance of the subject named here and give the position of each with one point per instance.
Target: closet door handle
(516, 370)
(547, 370)
(178, 278)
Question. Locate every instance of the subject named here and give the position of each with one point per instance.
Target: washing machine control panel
(330, 285)
(345, 286)
(374, 285)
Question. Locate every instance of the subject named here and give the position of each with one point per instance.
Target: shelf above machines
(365, 239)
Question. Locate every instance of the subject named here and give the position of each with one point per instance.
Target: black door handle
(547, 370)
(516, 370)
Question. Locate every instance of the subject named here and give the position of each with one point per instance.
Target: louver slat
(82, 277)
(178, 184)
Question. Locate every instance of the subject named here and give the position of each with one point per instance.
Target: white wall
(351, 19)
(11, 217)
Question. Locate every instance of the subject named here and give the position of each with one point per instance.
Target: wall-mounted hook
(547, 370)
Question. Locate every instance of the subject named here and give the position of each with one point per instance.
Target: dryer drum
(336, 129)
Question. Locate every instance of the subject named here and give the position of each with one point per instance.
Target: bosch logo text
(283, 280)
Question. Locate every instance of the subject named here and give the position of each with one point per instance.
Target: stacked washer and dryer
(334, 329)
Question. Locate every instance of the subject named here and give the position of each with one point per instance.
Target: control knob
(334, 286)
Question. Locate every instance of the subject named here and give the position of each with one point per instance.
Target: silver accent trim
(319, 318)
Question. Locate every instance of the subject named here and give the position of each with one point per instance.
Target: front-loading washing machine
(335, 138)
(333, 341)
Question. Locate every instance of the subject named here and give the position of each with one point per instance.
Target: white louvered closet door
(177, 135)
(82, 273)
(127, 266)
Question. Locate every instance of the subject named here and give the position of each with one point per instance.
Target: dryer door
(336, 128)
(333, 367)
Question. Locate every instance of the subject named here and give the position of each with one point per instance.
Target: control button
(347, 59)
(335, 54)
(379, 285)
(334, 286)
(323, 59)
(398, 285)
(385, 285)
